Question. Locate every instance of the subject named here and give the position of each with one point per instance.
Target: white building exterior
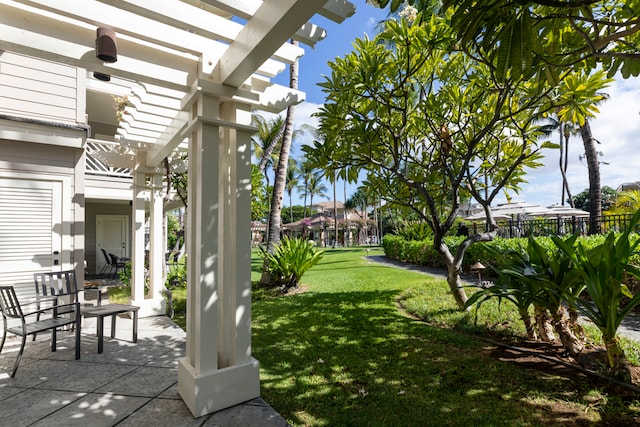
(75, 178)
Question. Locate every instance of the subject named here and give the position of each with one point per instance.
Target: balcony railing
(95, 166)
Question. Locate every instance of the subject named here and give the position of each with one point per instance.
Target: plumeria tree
(432, 126)
(541, 38)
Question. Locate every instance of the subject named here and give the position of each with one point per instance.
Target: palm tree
(348, 175)
(579, 95)
(292, 182)
(265, 142)
(627, 202)
(566, 130)
(306, 170)
(273, 231)
(316, 187)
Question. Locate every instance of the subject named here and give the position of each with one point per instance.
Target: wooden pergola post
(218, 370)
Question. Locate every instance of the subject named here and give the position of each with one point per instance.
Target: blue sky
(617, 126)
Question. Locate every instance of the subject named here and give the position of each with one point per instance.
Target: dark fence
(558, 226)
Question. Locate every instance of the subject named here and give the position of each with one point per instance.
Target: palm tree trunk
(347, 229)
(335, 211)
(279, 185)
(290, 208)
(567, 134)
(561, 164)
(304, 214)
(595, 196)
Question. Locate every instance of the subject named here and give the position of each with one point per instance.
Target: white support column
(137, 242)
(218, 370)
(154, 303)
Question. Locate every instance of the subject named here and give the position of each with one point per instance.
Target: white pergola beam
(150, 30)
(335, 10)
(33, 34)
(271, 25)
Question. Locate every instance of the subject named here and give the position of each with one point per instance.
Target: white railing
(94, 166)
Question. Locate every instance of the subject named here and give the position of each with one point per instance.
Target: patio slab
(129, 384)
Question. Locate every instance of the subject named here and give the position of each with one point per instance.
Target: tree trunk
(618, 364)
(290, 208)
(570, 342)
(455, 284)
(567, 134)
(595, 196)
(526, 319)
(574, 324)
(346, 232)
(545, 331)
(453, 271)
(279, 185)
(335, 211)
(561, 163)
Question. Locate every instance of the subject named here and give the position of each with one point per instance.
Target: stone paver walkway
(127, 385)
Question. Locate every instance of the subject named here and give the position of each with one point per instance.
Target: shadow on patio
(127, 385)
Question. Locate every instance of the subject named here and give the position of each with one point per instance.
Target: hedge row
(423, 252)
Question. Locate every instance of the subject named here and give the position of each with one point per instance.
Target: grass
(343, 353)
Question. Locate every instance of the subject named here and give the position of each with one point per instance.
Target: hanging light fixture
(101, 76)
(106, 49)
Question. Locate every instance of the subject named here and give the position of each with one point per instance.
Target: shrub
(290, 260)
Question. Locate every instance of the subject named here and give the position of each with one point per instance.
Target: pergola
(193, 71)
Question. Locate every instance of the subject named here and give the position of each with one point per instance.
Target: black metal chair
(118, 264)
(11, 309)
(108, 264)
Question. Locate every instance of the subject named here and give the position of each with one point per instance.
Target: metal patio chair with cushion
(11, 309)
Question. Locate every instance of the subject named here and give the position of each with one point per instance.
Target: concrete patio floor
(127, 385)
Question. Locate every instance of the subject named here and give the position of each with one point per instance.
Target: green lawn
(343, 353)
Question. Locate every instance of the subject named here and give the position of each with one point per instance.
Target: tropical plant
(521, 293)
(543, 37)
(267, 142)
(279, 185)
(603, 269)
(557, 284)
(307, 169)
(626, 202)
(431, 127)
(414, 230)
(259, 196)
(292, 183)
(316, 188)
(579, 96)
(291, 258)
(565, 131)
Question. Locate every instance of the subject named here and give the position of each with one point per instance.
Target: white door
(30, 230)
(112, 236)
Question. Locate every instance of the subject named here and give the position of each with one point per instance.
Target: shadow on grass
(351, 358)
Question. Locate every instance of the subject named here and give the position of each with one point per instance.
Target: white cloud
(617, 127)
